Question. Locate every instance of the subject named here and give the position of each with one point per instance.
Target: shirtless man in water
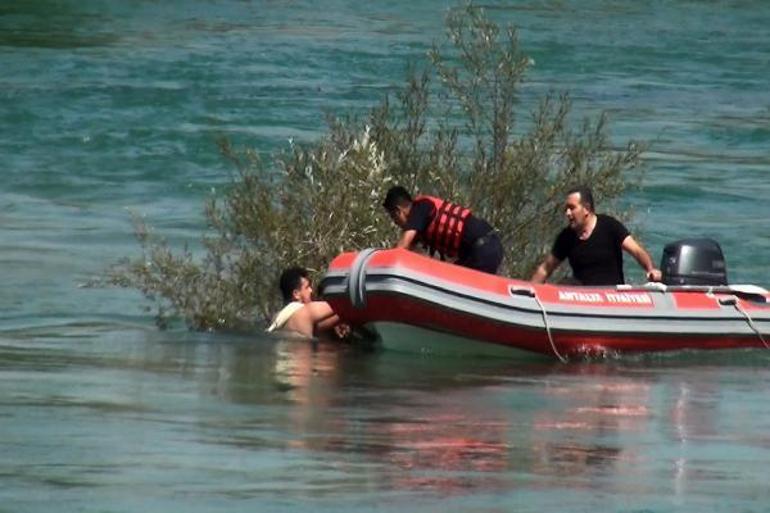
(300, 313)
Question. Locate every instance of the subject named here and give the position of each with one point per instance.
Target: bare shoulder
(319, 309)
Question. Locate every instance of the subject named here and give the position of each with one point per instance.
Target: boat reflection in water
(459, 426)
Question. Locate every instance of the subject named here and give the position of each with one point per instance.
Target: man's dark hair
(396, 196)
(291, 280)
(586, 196)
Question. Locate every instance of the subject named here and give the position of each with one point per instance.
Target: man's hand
(407, 239)
(654, 275)
(342, 330)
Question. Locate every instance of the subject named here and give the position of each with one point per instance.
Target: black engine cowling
(693, 262)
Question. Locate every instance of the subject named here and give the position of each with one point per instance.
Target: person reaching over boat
(594, 244)
(300, 313)
(446, 228)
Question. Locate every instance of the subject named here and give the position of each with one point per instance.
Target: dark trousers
(485, 254)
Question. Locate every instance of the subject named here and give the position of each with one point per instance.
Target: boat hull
(397, 287)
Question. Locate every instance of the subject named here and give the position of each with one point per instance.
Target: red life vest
(445, 229)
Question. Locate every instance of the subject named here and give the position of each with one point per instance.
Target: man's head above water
(295, 285)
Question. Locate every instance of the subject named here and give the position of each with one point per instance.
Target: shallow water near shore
(109, 107)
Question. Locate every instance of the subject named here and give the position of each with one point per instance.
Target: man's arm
(545, 269)
(322, 316)
(645, 261)
(407, 239)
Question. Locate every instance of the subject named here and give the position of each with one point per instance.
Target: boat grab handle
(357, 278)
(522, 291)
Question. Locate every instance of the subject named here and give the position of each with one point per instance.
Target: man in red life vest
(594, 244)
(445, 228)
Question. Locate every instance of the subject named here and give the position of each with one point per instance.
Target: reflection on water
(211, 421)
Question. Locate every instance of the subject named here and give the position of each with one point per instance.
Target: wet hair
(586, 196)
(395, 197)
(291, 280)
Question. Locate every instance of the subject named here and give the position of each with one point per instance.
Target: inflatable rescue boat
(409, 299)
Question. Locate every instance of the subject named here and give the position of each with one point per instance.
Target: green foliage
(452, 131)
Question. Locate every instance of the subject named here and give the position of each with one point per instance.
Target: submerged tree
(451, 131)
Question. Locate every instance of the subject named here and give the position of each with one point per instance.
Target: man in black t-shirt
(594, 244)
(445, 228)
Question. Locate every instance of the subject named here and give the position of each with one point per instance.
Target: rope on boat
(548, 328)
(736, 303)
(530, 292)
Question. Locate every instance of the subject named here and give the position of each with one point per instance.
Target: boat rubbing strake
(399, 287)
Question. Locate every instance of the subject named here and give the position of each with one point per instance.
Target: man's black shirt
(597, 260)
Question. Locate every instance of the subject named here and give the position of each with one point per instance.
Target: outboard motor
(693, 262)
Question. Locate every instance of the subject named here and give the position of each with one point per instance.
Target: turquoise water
(108, 107)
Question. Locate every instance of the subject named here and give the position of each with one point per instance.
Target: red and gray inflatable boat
(418, 303)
